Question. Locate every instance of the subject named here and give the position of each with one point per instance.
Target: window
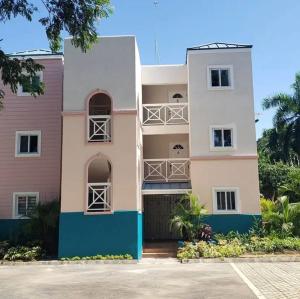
(225, 200)
(25, 89)
(24, 204)
(178, 96)
(28, 143)
(220, 77)
(222, 138)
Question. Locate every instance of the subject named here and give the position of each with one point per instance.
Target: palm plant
(281, 216)
(287, 117)
(43, 225)
(188, 217)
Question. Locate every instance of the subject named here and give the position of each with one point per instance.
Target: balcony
(99, 128)
(99, 199)
(165, 118)
(167, 170)
(165, 114)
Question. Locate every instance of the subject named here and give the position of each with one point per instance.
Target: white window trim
(20, 92)
(17, 144)
(214, 148)
(237, 200)
(231, 81)
(14, 209)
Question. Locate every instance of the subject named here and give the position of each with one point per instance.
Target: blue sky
(272, 26)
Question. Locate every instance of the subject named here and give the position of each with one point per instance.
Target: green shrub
(202, 249)
(99, 257)
(23, 253)
(235, 245)
(272, 244)
(4, 245)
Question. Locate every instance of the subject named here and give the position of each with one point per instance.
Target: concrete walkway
(148, 280)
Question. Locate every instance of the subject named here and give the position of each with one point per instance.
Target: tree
(287, 117)
(77, 17)
(272, 147)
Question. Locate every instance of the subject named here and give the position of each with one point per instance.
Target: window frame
(223, 148)
(15, 207)
(18, 154)
(20, 92)
(236, 190)
(220, 67)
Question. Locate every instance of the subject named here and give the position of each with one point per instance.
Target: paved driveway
(148, 280)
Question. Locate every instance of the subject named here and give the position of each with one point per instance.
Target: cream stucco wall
(153, 94)
(164, 74)
(221, 107)
(109, 65)
(77, 152)
(157, 146)
(243, 174)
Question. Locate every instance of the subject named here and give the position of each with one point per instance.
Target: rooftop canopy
(214, 46)
(35, 52)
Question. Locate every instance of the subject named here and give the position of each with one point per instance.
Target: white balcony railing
(165, 114)
(166, 170)
(99, 198)
(99, 128)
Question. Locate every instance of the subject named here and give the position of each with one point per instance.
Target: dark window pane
(227, 138)
(233, 200)
(177, 96)
(228, 200)
(26, 85)
(218, 200)
(215, 80)
(223, 203)
(23, 144)
(217, 137)
(35, 83)
(31, 204)
(225, 78)
(21, 204)
(33, 144)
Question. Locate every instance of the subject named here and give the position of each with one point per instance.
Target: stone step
(159, 250)
(159, 254)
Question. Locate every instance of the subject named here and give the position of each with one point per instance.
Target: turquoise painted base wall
(9, 228)
(234, 222)
(88, 235)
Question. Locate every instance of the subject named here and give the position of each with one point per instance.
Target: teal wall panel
(230, 222)
(87, 235)
(10, 228)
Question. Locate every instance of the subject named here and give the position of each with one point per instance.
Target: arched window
(177, 96)
(178, 147)
(99, 119)
(99, 186)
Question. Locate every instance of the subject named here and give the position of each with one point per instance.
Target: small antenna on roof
(156, 49)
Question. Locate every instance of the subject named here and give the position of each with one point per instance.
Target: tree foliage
(77, 17)
(279, 147)
(286, 120)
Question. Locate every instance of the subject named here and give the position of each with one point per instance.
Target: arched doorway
(99, 118)
(99, 186)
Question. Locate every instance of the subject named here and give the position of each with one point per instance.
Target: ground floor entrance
(158, 210)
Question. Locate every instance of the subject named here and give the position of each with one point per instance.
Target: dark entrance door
(157, 214)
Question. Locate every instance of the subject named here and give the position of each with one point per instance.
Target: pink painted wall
(40, 174)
